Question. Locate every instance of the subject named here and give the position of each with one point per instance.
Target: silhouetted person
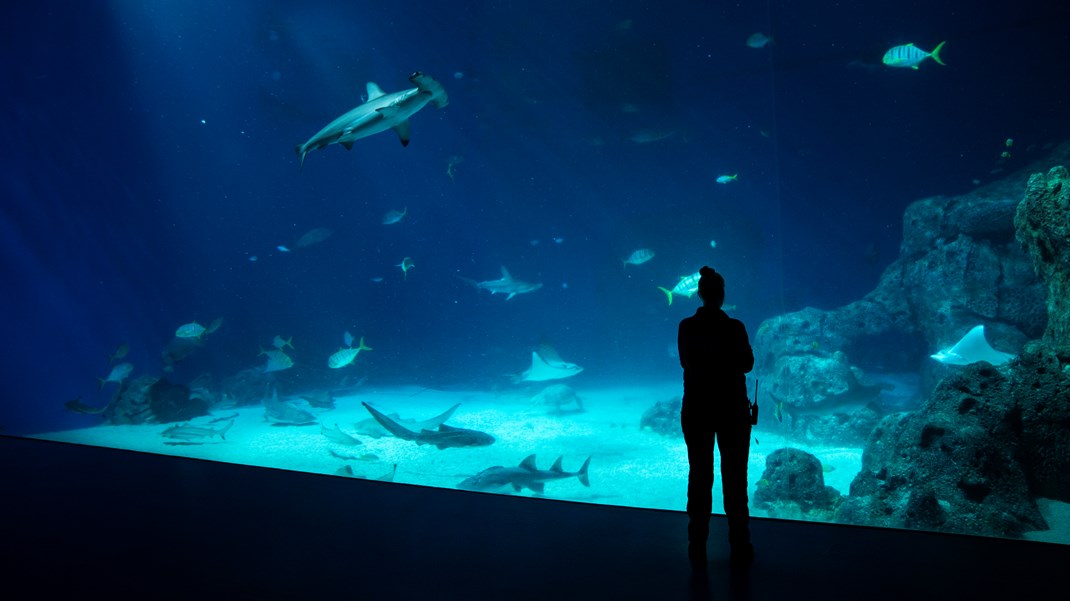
(715, 354)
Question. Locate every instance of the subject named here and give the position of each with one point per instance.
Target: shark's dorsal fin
(374, 91)
(505, 274)
(557, 466)
(528, 463)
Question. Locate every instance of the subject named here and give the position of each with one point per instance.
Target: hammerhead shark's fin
(374, 91)
(403, 132)
(347, 145)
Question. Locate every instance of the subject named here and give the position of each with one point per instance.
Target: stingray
(972, 348)
(546, 364)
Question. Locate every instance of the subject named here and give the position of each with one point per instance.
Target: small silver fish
(313, 236)
(117, 375)
(281, 343)
(190, 330)
(759, 40)
(726, 179)
(638, 257)
(348, 338)
(276, 360)
(394, 216)
(118, 354)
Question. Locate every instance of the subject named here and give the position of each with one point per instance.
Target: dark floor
(89, 521)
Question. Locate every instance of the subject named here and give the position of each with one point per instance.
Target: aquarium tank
(449, 244)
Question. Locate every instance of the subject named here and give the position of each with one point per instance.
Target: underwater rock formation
(663, 418)
(989, 440)
(131, 404)
(1044, 231)
(793, 486)
(959, 266)
(149, 399)
(174, 403)
(822, 397)
(955, 465)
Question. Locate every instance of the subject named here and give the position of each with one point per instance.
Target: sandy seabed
(629, 466)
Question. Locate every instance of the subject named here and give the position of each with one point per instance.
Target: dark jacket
(715, 354)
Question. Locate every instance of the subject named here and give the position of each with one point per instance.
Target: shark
(381, 112)
(505, 285)
(371, 427)
(443, 438)
(285, 414)
(526, 475)
(972, 348)
(191, 432)
(546, 364)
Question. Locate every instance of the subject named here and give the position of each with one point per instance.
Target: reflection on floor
(93, 521)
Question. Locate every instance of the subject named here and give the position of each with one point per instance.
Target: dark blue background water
(149, 155)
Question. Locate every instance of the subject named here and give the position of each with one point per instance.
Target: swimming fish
(348, 338)
(336, 435)
(118, 354)
(406, 264)
(190, 330)
(212, 327)
(381, 112)
(192, 432)
(759, 40)
(345, 356)
(276, 360)
(505, 285)
(910, 55)
(527, 475)
(77, 406)
(117, 374)
(282, 248)
(972, 348)
(638, 257)
(725, 179)
(280, 344)
(313, 236)
(394, 216)
(687, 286)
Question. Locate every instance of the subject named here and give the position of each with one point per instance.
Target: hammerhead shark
(505, 285)
(381, 112)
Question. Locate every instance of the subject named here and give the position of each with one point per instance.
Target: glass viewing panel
(223, 241)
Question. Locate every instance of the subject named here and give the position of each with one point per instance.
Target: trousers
(733, 443)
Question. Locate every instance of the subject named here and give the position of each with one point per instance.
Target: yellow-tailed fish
(345, 356)
(909, 55)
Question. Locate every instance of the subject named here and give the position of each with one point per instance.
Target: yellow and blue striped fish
(910, 56)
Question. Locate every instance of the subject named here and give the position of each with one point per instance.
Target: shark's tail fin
(301, 154)
(667, 292)
(223, 431)
(582, 474)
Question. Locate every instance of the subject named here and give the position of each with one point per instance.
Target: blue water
(149, 155)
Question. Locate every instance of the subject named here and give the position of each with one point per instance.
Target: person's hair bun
(706, 271)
